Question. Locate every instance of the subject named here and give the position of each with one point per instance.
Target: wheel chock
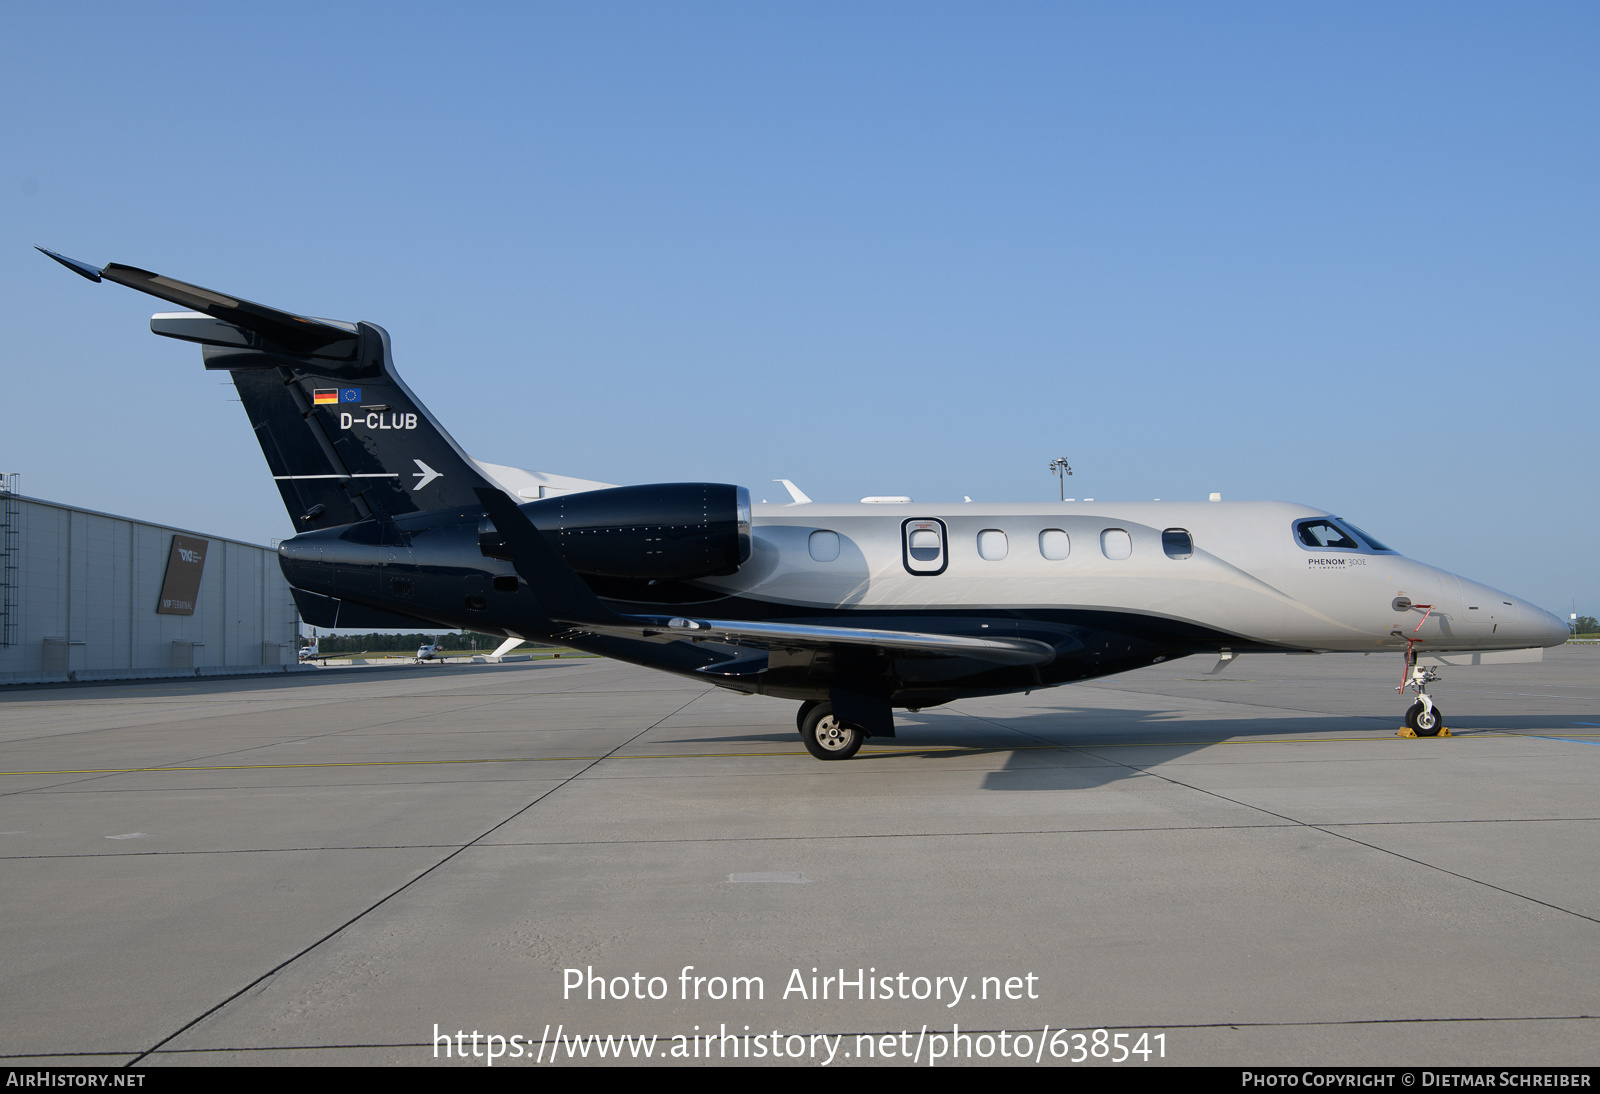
(1407, 731)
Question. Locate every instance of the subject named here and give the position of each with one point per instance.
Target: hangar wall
(79, 592)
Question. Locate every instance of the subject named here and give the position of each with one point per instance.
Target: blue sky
(1345, 255)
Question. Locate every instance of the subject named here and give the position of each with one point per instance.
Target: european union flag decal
(350, 395)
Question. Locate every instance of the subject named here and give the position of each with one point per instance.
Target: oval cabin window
(1054, 544)
(1116, 543)
(992, 544)
(824, 546)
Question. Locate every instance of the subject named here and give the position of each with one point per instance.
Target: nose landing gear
(1423, 719)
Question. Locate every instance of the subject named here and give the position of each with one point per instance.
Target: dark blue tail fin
(345, 439)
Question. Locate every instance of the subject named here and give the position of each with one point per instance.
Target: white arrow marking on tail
(425, 476)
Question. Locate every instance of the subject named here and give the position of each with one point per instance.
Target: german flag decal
(325, 396)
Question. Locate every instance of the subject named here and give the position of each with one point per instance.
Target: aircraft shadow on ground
(1058, 749)
(1083, 748)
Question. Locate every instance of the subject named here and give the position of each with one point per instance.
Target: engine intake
(662, 531)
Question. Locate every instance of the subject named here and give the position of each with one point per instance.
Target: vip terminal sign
(185, 563)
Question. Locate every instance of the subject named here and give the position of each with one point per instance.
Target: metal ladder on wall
(10, 571)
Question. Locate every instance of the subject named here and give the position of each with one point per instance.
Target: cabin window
(992, 545)
(1054, 544)
(823, 545)
(1115, 543)
(924, 546)
(1177, 543)
(1325, 533)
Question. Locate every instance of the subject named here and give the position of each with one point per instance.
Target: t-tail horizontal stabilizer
(295, 333)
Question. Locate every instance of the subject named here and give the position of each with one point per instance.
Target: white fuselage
(1247, 574)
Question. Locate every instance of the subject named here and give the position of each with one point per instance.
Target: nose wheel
(1423, 719)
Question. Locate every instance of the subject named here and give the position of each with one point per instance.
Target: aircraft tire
(800, 715)
(827, 738)
(1424, 722)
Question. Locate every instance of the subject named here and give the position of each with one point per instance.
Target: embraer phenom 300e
(852, 609)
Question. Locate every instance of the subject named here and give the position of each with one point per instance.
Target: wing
(771, 635)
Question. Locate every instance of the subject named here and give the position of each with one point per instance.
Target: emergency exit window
(924, 546)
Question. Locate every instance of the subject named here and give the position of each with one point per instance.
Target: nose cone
(1537, 627)
(1556, 629)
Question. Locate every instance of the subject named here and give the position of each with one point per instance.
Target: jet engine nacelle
(663, 531)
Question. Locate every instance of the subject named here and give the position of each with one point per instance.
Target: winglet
(82, 269)
(557, 587)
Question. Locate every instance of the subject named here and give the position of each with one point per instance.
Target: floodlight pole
(1061, 469)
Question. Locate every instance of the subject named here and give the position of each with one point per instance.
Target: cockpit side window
(1323, 533)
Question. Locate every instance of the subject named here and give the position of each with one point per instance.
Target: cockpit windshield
(1374, 544)
(1335, 533)
(1325, 533)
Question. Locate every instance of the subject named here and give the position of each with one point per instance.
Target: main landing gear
(826, 737)
(1423, 719)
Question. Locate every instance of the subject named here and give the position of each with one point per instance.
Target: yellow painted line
(280, 767)
(499, 760)
(910, 751)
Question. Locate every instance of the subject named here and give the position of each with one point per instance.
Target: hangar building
(90, 596)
